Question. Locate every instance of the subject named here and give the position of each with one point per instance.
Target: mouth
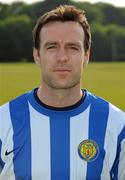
(62, 70)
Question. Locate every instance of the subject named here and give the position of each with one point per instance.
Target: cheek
(78, 62)
(47, 58)
(46, 66)
(78, 67)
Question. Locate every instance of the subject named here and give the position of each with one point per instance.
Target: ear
(86, 57)
(36, 56)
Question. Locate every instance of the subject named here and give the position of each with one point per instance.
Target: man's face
(61, 54)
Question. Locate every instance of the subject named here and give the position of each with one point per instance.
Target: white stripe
(40, 145)
(114, 127)
(78, 132)
(121, 170)
(6, 135)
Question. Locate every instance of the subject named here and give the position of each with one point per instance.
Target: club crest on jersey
(88, 150)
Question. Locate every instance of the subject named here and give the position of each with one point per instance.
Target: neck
(59, 97)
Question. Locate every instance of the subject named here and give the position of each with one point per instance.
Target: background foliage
(18, 19)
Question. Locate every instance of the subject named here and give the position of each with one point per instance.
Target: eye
(51, 47)
(73, 47)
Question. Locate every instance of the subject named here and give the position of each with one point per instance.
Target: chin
(64, 86)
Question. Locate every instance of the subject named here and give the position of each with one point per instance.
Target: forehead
(62, 31)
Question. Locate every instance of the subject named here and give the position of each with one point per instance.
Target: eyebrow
(74, 44)
(50, 43)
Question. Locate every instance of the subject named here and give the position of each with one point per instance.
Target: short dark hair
(63, 13)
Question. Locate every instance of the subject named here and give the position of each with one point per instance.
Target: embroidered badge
(88, 150)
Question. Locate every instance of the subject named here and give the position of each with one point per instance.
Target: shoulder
(18, 100)
(117, 117)
(97, 104)
(5, 108)
(101, 101)
(100, 104)
(12, 111)
(110, 114)
(116, 111)
(13, 107)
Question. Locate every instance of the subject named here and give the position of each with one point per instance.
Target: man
(58, 131)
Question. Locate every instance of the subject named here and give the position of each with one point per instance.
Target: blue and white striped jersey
(83, 142)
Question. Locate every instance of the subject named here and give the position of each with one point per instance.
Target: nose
(62, 55)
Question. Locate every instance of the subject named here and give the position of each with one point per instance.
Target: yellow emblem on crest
(61, 9)
(88, 150)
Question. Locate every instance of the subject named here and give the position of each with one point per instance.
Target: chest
(58, 147)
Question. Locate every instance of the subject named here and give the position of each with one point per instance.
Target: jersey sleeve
(4, 132)
(118, 169)
(1, 162)
(121, 166)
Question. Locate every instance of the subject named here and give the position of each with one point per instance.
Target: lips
(61, 70)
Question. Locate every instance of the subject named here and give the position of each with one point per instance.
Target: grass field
(104, 79)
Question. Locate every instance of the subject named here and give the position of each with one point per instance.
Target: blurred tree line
(18, 19)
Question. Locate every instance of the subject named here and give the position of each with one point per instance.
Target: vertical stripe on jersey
(1, 162)
(78, 132)
(116, 167)
(97, 129)
(60, 147)
(121, 168)
(21, 137)
(40, 142)
(114, 127)
(6, 136)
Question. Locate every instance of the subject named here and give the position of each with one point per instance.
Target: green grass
(103, 79)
